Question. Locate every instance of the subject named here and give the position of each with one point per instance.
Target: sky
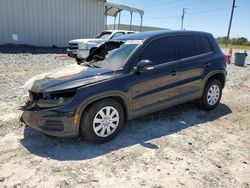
(204, 15)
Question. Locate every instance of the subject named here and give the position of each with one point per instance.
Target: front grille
(73, 46)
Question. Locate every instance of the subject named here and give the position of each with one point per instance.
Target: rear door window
(160, 51)
(188, 46)
(204, 45)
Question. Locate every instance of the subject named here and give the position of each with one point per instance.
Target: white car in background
(79, 48)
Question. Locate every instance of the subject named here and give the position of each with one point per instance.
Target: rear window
(204, 45)
(117, 35)
(188, 46)
(104, 35)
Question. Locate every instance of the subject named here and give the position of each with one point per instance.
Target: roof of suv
(152, 34)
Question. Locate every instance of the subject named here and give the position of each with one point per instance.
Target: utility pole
(182, 18)
(230, 22)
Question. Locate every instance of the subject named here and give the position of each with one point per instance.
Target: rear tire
(102, 121)
(211, 95)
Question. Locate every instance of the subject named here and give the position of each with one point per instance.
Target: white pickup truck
(79, 48)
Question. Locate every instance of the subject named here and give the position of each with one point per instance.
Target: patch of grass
(235, 47)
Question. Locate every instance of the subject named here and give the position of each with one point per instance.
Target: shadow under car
(138, 131)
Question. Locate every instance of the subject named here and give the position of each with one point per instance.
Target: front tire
(211, 95)
(102, 121)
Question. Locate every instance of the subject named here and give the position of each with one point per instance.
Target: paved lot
(179, 147)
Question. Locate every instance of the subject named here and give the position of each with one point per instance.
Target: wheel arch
(125, 103)
(219, 75)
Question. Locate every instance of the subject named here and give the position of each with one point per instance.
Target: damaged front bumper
(50, 123)
(58, 121)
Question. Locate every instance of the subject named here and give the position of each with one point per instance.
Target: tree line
(240, 41)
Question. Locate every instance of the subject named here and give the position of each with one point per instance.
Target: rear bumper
(54, 123)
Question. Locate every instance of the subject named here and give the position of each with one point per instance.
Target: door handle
(207, 64)
(173, 73)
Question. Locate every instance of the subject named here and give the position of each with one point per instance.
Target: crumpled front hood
(71, 76)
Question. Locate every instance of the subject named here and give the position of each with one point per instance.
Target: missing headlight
(59, 94)
(54, 99)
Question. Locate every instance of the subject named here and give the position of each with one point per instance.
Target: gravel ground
(181, 146)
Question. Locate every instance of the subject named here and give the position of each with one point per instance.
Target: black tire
(203, 101)
(87, 120)
(79, 61)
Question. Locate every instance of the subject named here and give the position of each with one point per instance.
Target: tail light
(227, 59)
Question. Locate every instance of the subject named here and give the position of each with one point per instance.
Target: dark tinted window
(204, 45)
(160, 51)
(187, 46)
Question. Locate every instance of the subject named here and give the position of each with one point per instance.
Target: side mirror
(143, 66)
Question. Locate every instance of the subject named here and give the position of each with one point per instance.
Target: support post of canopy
(106, 18)
(141, 22)
(114, 21)
(131, 17)
(106, 22)
(119, 19)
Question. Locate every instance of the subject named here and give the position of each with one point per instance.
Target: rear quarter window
(188, 46)
(204, 45)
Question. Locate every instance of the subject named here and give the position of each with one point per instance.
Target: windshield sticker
(134, 42)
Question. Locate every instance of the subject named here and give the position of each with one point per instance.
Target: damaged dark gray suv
(123, 79)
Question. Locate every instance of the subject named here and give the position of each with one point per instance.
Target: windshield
(104, 35)
(112, 54)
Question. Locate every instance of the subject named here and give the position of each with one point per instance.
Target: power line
(243, 6)
(187, 4)
(157, 5)
(197, 12)
(208, 11)
(180, 5)
(205, 11)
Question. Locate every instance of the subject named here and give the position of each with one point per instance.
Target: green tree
(222, 40)
(242, 40)
(233, 41)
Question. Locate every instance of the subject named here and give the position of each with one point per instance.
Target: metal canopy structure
(113, 9)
